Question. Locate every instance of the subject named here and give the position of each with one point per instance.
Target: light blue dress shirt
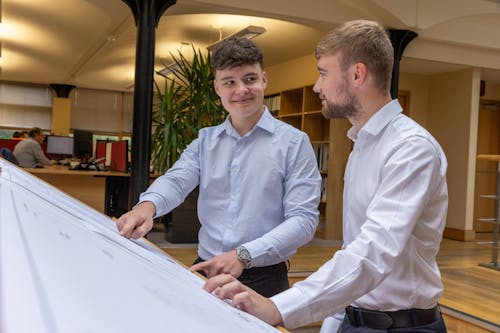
(261, 190)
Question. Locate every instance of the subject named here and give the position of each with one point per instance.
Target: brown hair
(361, 41)
(234, 52)
(34, 132)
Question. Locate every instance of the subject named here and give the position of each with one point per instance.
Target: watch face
(243, 256)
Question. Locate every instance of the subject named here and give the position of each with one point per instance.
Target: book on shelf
(321, 152)
(324, 185)
(273, 103)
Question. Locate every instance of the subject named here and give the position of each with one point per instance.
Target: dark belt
(392, 319)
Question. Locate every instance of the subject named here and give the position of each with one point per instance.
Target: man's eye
(251, 79)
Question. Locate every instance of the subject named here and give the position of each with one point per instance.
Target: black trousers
(267, 281)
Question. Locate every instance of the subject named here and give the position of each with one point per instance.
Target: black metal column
(147, 14)
(399, 39)
(62, 90)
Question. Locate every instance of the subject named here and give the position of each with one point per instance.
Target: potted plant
(187, 103)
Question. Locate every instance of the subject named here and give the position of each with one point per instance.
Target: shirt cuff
(253, 249)
(155, 200)
(293, 307)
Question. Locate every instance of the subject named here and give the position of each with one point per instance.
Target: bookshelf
(301, 108)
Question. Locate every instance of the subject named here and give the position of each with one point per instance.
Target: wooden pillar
(61, 116)
(61, 109)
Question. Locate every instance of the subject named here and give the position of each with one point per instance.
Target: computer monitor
(82, 144)
(60, 145)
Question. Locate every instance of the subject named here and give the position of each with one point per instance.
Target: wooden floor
(468, 287)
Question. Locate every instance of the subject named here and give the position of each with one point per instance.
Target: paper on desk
(66, 267)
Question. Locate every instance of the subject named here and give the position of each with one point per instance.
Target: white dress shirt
(395, 205)
(261, 190)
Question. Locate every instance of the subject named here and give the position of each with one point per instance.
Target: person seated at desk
(20, 135)
(29, 151)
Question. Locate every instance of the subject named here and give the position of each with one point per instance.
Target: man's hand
(137, 222)
(227, 287)
(227, 263)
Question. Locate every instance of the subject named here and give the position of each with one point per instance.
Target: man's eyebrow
(227, 78)
(232, 77)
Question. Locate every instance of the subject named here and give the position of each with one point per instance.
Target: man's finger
(217, 281)
(141, 230)
(243, 301)
(201, 266)
(126, 229)
(230, 290)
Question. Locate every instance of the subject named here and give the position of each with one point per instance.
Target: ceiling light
(249, 32)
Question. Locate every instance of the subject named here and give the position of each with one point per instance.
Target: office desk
(64, 170)
(105, 191)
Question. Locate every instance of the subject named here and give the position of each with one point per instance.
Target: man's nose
(316, 88)
(242, 88)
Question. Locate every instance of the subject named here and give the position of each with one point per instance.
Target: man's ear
(359, 73)
(264, 79)
(216, 87)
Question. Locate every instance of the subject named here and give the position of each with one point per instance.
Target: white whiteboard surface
(65, 268)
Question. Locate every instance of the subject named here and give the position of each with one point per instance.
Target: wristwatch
(244, 256)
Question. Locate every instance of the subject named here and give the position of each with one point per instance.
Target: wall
(452, 119)
(492, 91)
(418, 85)
(292, 74)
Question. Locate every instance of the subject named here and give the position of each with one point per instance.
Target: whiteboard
(65, 268)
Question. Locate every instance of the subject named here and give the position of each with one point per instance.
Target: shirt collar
(266, 122)
(378, 121)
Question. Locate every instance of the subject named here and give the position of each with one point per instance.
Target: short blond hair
(361, 41)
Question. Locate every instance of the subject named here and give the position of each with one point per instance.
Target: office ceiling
(91, 43)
